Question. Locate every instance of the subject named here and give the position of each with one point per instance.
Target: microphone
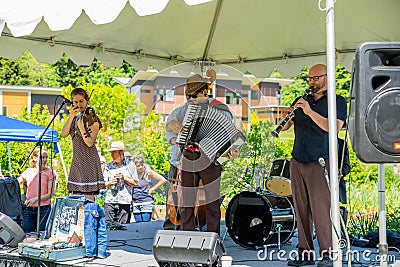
(321, 162)
(66, 100)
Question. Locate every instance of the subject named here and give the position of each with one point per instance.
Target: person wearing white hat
(128, 155)
(120, 176)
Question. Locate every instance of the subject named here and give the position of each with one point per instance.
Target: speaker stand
(382, 246)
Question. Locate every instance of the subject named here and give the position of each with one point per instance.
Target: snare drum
(253, 219)
(278, 181)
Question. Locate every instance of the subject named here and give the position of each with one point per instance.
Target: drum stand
(279, 226)
(258, 189)
(279, 243)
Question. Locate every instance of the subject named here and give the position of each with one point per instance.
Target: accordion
(209, 129)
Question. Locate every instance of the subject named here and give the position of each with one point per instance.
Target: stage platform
(133, 247)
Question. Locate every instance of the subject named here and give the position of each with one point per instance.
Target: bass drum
(253, 219)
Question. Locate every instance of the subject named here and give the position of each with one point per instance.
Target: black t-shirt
(311, 142)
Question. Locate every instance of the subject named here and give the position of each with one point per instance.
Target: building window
(231, 98)
(167, 95)
(5, 111)
(255, 95)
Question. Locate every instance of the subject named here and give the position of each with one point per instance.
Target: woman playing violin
(85, 177)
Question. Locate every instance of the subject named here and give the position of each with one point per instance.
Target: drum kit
(263, 217)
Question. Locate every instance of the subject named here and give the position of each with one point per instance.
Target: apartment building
(163, 92)
(14, 97)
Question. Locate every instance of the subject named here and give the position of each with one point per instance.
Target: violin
(88, 117)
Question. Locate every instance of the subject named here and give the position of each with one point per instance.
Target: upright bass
(174, 202)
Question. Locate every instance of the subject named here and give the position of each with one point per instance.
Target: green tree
(156, 147)
(291, 91)
(97, 72)
(275, 74)
(256, 156)
(343, 79)
(146, 137)
(26, 70)
(68, 73)
(9, 72)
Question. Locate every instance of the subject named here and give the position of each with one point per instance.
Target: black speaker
(175, 247)
(10, 232)
(374, 121)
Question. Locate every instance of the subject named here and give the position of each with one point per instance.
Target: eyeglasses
(315, 78)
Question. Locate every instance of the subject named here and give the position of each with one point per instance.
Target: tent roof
(250, 35)
(20, 131)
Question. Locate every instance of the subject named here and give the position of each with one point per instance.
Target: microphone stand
(40, 144)
(321, 162)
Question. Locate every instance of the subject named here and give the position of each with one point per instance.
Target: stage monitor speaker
(175, 247)
(374, 121)
(10, 232)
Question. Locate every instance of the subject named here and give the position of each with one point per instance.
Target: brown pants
(195, 168)
(312, 203)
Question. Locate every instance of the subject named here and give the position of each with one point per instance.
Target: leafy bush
(256, 156)
(360, 224)
(363, 208)
(159, 199)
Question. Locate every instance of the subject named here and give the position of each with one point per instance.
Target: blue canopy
(20, 131)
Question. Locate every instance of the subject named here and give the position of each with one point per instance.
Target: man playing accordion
(195, 164)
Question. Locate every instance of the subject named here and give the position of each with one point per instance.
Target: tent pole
(332, 117)
(382, 246)
(249, 111)
(62, 161)
(9, 158)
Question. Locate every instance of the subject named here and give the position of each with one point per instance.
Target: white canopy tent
(251, 35)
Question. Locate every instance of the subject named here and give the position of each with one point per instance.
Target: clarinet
(275, 133)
